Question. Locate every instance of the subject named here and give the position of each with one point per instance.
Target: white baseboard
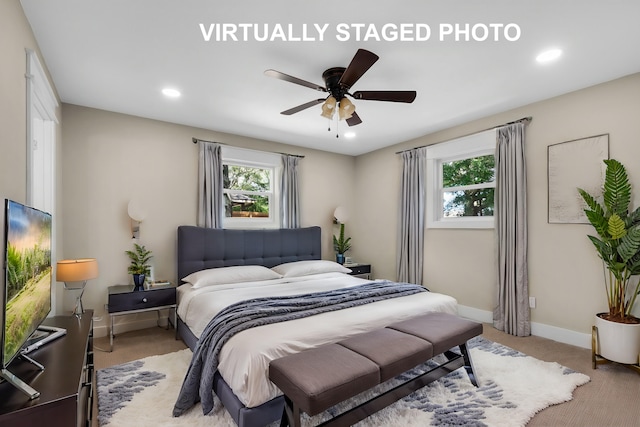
(475, 314)
(538, 329)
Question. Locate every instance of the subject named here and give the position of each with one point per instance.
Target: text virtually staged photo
(272, 213)
(359, 32)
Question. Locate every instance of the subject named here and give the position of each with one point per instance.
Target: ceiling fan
(338, 81)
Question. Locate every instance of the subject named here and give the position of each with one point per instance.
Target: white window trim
(41, 107)
(261, 159)
(476, 145)
(42, 104)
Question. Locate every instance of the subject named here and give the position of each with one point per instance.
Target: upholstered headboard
(203, 248)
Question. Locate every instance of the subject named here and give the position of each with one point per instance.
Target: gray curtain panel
(410, 258)
(210, 186)
(289, 194)
(511, 314)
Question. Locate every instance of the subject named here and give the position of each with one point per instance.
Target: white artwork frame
(572, 165)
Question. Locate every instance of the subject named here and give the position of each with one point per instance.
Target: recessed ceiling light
(350, 135)
(549, 55)
(171, 93)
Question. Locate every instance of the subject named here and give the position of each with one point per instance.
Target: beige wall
(112, 158)
(15, 37)
(564, 271)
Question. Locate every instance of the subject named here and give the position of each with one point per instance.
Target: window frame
(256, 159)
(476, 145)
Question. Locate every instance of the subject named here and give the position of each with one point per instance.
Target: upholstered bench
(315, 380)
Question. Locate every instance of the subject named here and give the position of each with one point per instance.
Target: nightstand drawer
(141, 300)
(359, 269)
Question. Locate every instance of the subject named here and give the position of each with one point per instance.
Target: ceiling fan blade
(354, 119)
(386, 95)
(291, 79)
(361, 62)
(302, 107)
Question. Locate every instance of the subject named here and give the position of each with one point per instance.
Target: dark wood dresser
(65, 386)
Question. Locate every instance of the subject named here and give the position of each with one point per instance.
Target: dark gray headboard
(202, 248)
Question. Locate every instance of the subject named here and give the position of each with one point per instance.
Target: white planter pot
(618, 342)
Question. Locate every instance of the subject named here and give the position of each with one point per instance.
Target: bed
(295, 256)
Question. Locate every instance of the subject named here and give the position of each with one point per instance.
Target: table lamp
(77, 271)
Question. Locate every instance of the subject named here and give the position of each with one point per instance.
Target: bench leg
(290, 414)
(468, 364)
(284, 421)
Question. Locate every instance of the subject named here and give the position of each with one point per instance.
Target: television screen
(27, 291)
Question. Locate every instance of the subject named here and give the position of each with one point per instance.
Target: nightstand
(360, 270)
(124, 300)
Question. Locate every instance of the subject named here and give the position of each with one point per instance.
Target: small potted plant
(139, 266)
(341, 245)
(618, 245)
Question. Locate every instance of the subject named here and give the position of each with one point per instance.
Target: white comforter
(245, 358)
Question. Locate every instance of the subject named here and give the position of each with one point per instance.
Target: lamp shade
(136, 211)
(341, 215)
(329, 107)
(76, 270)
(346, 109)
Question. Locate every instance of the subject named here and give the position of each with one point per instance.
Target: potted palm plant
(341, 245)
(139, 266)
(618, 245)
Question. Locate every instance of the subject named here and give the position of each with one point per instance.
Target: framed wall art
(572, 165)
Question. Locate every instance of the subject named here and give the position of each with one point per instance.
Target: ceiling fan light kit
(338, 81)
(347, 109)
(329, 107)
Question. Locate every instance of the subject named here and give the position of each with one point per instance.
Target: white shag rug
(513, 388)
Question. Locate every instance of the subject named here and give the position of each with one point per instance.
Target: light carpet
(513, 388)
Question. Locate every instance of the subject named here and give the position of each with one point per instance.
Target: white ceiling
(117, 55)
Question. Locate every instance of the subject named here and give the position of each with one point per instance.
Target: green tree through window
(247, 190)
(468, 186)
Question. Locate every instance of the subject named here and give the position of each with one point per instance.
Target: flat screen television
(26, 294)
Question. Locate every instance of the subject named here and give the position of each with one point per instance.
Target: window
(461, 182)
(41, 144)
(251, 188)
(41, 131)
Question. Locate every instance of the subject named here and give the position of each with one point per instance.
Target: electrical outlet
(532, 302)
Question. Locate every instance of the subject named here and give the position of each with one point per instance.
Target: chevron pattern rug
(513, 388)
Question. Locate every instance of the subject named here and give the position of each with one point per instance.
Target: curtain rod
(525, 120)
(195, 141)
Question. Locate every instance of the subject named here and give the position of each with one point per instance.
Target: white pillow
(226, 275)
(304, 268)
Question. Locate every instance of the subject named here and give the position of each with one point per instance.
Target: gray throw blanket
(198, 383)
